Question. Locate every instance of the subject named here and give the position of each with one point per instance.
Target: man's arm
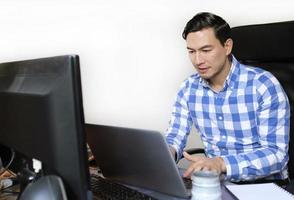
(180, 123)
(273, 120)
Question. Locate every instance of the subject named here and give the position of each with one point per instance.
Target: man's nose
(198, 58)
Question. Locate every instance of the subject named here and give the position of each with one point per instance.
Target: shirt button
(220, 117)
(224, 137)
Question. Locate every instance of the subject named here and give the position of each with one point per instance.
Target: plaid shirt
(246, 123)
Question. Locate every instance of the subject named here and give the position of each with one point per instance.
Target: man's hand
(198, 163)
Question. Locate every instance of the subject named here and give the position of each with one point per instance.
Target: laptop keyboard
(108, 190)
(188, 183)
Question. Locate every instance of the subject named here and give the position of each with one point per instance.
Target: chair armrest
(194, 151)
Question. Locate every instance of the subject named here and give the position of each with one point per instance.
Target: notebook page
(268, 191)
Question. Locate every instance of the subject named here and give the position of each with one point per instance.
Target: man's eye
(206, 50)
(191, 52)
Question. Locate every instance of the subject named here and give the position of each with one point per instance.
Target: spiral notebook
(268, 191)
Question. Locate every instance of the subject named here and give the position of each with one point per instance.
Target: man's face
(208, 55)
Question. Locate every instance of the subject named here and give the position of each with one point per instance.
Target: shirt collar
(233, 74)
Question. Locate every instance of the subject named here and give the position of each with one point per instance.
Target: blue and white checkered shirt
(246, 123)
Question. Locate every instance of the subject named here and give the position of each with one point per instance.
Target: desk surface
(226, 195)
(9, 196)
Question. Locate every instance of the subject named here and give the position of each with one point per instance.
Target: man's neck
(217, 83)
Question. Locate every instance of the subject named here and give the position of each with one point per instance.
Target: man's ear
(228, 46)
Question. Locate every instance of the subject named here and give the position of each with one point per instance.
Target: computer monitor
(41, 116)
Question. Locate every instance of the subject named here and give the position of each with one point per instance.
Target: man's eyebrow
(206, 46)
(203, 47)
(189, 48)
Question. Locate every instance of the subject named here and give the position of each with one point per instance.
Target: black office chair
(269, 46)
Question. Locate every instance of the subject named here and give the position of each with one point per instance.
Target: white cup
(206, 186)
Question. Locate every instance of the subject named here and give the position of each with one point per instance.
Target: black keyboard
(108, 190)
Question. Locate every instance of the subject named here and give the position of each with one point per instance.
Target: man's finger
(190, 157)
(188, 172)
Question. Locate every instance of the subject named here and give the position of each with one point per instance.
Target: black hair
(204, 20)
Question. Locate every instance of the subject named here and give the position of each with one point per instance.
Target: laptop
(136, 157)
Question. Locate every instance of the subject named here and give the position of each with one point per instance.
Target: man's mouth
(203, 70)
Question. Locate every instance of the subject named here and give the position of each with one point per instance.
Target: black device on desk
(41, 116)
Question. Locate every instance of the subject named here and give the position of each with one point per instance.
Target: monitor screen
(41, 116)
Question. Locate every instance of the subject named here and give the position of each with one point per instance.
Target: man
(241, 112)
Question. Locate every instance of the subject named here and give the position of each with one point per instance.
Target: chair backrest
(270, 46)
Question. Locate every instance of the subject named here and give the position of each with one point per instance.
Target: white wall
(133, 58)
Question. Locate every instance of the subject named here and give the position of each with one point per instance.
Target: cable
(9, 190)
(8, 165)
